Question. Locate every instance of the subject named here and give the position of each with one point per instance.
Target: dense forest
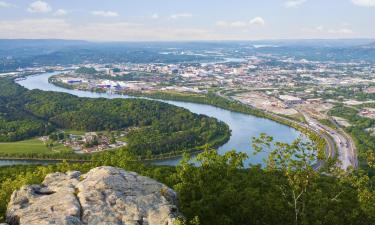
(161, 128)
(288, 191)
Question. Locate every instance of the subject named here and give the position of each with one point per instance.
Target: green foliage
(26, 147)
(295, 161)
(356, 92)
(162, 128)
(221, 192)
(86, 70)
(235, 106)
(328, 123)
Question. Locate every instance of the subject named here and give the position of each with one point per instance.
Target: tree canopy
(161, 128)
(222, 192)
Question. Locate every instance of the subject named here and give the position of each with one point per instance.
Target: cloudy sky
(164, 20)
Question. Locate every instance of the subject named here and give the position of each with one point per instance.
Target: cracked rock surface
(103, 196)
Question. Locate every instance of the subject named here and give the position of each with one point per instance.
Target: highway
(351, 146)
(335, 138)
(330, 143)
(345, 146)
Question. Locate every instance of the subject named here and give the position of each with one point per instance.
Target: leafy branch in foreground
(222, 191)
(295, 161)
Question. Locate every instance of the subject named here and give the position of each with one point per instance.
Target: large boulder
(105, 195)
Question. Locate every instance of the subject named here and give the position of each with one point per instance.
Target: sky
(186, 20)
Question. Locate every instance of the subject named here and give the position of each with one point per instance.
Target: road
(335, 139)
(352, 149)
(330, 147)
(345, 146)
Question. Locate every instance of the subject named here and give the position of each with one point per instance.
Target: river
(243, 126)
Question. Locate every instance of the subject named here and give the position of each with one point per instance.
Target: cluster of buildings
(270, 82)
(87, 143)
(368, 112)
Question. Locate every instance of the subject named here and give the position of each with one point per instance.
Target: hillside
(219, 192)
(160, 127)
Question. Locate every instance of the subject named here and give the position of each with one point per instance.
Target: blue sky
(164, 20)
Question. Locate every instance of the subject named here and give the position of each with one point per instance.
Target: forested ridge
(161, 128)
(288, 191)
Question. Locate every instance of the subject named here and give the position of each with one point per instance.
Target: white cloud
(121, 31)
(235, 24)
(239, 24)
(60, 12)
(321, 30)
(61, 28)
(5, 4)
(30, 28)
(294, 3)
(155, 16)
(259, 21)
(105, 13)
(365, 3)
(316, 29)
(341, 31)
(39, 7)
(222, 24)
(181, 15)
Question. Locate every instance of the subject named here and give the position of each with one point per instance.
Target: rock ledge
(103, 196)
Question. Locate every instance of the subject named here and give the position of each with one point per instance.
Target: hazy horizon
(187, 20)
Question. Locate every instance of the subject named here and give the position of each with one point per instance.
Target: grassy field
(29, 146)
(75, 132)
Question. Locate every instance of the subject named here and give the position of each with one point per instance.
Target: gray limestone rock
(103, 196)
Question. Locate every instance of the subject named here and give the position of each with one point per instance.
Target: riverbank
(236, 106)
(320, 141)
(244, 126)
(162, 130)
(88, 157)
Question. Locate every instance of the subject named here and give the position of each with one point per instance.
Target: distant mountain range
(16, 43)
(15, 53)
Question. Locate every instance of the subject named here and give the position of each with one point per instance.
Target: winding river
(243, 126)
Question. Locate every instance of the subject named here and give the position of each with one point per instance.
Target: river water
(243, 126)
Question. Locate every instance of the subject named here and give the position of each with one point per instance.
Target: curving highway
(338, 143)
(346, 151)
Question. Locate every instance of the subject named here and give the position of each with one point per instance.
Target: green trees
(161, 128)
(235, 106)
(86, 70)
(218, 190)
(289, 190)
(295, 161)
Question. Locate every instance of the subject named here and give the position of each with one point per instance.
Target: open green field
(29, 146)
(74, 132)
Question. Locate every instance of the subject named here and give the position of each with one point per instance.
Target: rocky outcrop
(105, 195)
